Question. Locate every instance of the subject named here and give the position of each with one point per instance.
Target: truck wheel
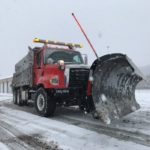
(19, 101)
(43, 104)
(14, 96)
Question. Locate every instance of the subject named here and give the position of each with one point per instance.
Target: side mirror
(50, 61)
(85, 58)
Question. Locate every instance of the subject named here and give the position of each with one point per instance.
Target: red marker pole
(85, 35)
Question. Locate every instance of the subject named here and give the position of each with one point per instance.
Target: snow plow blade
(113, 91)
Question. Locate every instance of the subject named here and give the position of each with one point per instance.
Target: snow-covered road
(21, 128)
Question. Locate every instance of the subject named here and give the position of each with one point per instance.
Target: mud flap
(115, 79)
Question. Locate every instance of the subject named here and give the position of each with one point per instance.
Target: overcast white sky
(123, 25)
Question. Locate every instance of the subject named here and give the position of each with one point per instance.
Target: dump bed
(23, 71)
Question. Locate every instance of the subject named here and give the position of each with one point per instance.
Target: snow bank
(143, 98)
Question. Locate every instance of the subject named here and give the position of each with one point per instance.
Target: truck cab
(57, 75)
(53, 67)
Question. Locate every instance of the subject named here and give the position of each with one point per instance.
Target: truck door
(38, 68)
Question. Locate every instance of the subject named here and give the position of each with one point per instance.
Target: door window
(38, 59)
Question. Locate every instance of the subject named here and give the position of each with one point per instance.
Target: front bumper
(67, 92)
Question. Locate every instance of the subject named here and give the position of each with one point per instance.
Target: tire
(14, 96)
(43, 104)
(19, 101)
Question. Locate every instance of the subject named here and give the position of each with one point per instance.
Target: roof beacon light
(70, 45)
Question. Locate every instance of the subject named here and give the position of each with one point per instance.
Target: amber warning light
(37, 40)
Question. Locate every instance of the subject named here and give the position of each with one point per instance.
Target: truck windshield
(72, 57)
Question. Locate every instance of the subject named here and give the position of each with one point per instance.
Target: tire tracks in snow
(17, 140)
(72, 116)
(10, 140)
(121, 134)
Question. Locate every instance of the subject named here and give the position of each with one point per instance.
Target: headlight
(54, 80)
(61, 64)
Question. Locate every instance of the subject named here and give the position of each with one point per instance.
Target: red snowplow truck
(55, 74)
